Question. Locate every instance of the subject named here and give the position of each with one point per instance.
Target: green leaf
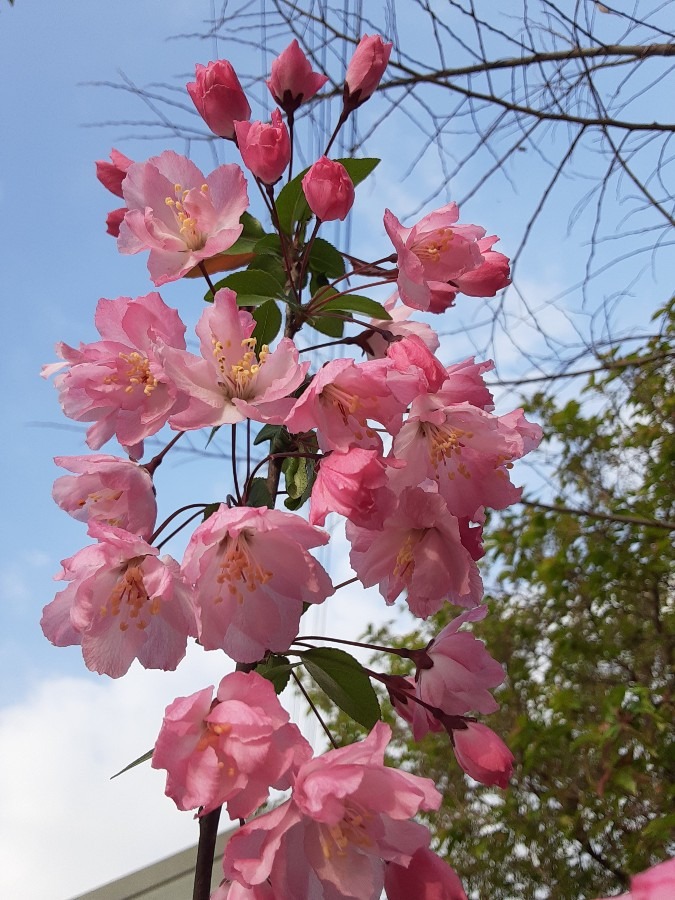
(250, 236)
(359, 169)
(252, 287)
(333, 326)
(300, 474)
(345, 681)
(258, 494)
(326, 259)
(276, 669)
(132, 765)
(267, 262)
(268, 323)
(270, 244)
(214, 432)
(356, 303)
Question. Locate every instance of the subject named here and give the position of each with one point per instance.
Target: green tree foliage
(582, 614)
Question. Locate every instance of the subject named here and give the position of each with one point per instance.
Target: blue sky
(63, 731)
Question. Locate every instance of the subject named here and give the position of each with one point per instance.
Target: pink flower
(252, 574)
(230, 750)
(119, 383)
(457, 672)
(292, 80)
(328, 189)
(112, 174)
(109, 490)
(180, 216)
(340, 400)
(428, 877)
(482, 754)
(657, 883)
(365, 69)
(219, 97)
(420, 551)
(347, 815)
(399, 325)
(265, 149)
(230, 381)
(123, 603)
(352, 483)
(114, 219)
(491, 275)
(433, 251)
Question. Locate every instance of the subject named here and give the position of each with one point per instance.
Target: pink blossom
(483, 754)
(219, 97)
(427, 877)
(420, 551)
(354, 484)
(230, 750)
(252, 573)
(412, 358)
(464, 383)
(292, 80)
(656, 883)
(433, 251)
(365, 69)
(340, 400)
(348, 815)
(119, 383)
(179, 215)
(328, 189)
(114, 220)
(457, 672)
(233, 379)
(265, 148)
(123, 603)
(399, 325)
(491, 275)
(112, 174)
(109, 490)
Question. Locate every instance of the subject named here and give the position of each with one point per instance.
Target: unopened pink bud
(265, 148)
(329, 190)
(219, 97)
(112, 174)
(292, 80)
(366, 69)
(483, 754)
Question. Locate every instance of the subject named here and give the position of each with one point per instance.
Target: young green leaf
(326, 259)
(268, 322)
(132, 765)
(345, 681)
(358, 304)
(252, 287)
(276, 669)
(258, 494)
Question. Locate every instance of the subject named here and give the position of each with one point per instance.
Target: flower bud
(292, 80)
(483, 754)
(219, 97)
(265, 148)
(365, 69)
(329, 190)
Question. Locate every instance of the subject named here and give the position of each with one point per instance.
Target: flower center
(242, 374)
(444, 442)
(351, 830)
(139, 373)
(187, 224)
(129, 598)
(431, 247)
(239, 569)
(404, 567)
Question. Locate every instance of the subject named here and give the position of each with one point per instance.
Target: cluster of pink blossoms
(406, 448)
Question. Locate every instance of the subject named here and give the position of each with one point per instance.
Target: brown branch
(208, 832)
(608, 517)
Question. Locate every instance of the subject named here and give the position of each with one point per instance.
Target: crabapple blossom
(292, 80)
(264, 147)
(230, 750)
(427, 877)
(482, 754)
(656, 883)
(433, 251)
(230, 381)
(107, 489)
(123, 602)
(348, 814)
(219, 98)
(398, 326)
(111, 175)
(492, 274)
(179, 215)
(252, 573)
(118, 383)
(328, 189)
(365, 69)
(420, 551)
(354, 484)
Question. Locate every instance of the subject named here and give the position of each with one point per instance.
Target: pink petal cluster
(109, 490)
(118, 383)
(233, 379)
(399, 326)
(123, 603)
(179, 215)
(111, 175)
(328, 189)
(252, 573)
(219, 98)
(438, 257)
(657, 883)
(292, 80)
(230, 750)
(365, 69)
(265, 148)
(354, 484)
(348, 816)
(428, 877)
